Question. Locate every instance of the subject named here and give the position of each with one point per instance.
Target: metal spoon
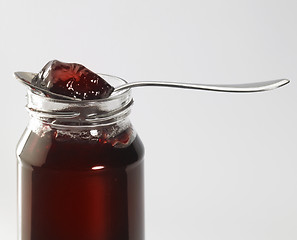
(26, 78)
(239, 88)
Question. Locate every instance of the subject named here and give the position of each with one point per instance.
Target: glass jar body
(80, 182)
(79, 187)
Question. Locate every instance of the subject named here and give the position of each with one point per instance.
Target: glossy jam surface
(73, 80)
(80, 188)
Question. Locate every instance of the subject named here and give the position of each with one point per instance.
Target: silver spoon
(239, 88)
(26, 78)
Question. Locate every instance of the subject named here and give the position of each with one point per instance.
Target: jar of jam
(80, 170)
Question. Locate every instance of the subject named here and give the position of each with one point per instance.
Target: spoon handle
(239, 88)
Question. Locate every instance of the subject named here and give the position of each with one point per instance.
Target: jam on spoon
(72, 80)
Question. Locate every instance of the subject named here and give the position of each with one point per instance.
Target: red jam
(73, 80)
(75, 189)
(79, 182)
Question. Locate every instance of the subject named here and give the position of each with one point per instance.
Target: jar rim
(106, 110)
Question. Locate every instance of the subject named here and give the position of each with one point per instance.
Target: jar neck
(86, 113)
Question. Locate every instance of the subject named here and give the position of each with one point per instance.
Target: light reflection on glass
(97, 167)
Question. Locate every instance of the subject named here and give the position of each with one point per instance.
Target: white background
(218, 166)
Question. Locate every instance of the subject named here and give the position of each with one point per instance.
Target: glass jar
(80, 170)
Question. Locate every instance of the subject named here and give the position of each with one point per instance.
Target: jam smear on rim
(73, 80)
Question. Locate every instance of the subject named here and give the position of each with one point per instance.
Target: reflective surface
(240, 88)
(80, 170)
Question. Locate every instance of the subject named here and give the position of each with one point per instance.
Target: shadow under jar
(80, 170)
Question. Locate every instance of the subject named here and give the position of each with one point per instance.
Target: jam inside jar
(80, 170)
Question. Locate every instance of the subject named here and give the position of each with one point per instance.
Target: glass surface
(80, 172)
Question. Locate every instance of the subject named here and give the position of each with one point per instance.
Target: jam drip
(73, 80)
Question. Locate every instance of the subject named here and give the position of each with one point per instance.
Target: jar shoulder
(49, 150)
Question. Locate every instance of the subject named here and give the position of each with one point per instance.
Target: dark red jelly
(78, 188)
(73, 80)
